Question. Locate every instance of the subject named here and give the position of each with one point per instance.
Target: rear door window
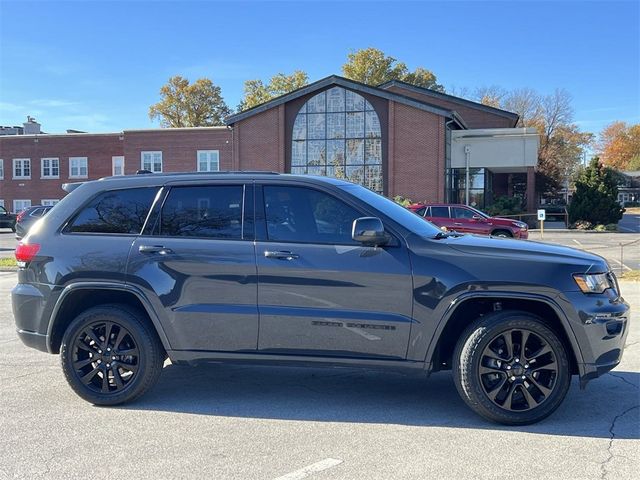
(459, 212)
(210, 211)
(440, 212)
(115, 212)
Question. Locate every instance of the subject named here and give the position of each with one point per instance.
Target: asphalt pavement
(242, 422)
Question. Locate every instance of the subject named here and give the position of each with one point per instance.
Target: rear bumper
(35, 340)
(29, 313)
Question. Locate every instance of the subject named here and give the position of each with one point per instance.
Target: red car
(464, 219)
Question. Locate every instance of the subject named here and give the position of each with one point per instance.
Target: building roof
(450, 98)
(352, 85)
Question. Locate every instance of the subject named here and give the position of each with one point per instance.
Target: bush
(611, 227)
(600, 228)
(505, 206)
(582, 225)
(596, 197)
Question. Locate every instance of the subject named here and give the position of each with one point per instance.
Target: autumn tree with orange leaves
(619, 146)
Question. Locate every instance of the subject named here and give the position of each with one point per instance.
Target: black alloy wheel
(511, 368)
(105, 357)
(111, 354)
(518, 370)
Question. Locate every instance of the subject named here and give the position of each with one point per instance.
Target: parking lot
(243, 422)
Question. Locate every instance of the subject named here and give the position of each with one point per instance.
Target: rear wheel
(110, 356)
(511, 368)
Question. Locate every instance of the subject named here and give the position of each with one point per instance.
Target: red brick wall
(473, 117)
(416, 154)
(178, 146)
(260, 141)
(97, 148)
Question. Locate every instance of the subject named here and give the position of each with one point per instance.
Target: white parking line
(579, 244)
(311, 469)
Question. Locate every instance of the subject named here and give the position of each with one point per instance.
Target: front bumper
(600, 324)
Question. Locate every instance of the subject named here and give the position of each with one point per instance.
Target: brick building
(397, 139)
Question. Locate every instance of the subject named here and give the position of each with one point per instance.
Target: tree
(619, 146)
(373, 67)
(595, 199)
(562, 144)
(199, 104)
(256, 92)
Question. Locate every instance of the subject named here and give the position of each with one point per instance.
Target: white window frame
(151, 165)
(26, 202)
(211, 156)
(115, 159)
(1, 169)
(22, 161)
(1, 202)
(50, 160)
(73, 160)
(46, 202)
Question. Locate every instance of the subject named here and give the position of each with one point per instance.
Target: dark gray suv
(271, 268)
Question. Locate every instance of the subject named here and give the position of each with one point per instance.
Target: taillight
(21, 215)
(25, 252)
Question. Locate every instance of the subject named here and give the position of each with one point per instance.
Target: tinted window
(210, 211)
(440, 212)
(422, 211)
(298, 214)
(116, 211)
(37, 212)
(459, 212)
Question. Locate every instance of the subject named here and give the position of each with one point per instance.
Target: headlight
(593, 283)
(520, 225)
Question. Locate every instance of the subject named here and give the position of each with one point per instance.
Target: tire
(489, 376)
(502, 234)
(86, 356)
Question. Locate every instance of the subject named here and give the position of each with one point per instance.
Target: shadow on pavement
(362, 396)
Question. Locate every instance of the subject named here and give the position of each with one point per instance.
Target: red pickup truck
(464, 219)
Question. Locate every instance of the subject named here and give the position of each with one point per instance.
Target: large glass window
(477, 186)
(337, 133)
(304, 215)
(206, 212)
(117, 211)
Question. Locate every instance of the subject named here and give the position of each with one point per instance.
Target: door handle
(281, 255)
(154, 249)
(457, 223)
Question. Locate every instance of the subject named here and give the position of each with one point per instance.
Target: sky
(98, 65)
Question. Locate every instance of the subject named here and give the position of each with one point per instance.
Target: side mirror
(478, 218)
(369, 230)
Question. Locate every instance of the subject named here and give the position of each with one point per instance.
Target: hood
(527, 250)
(504, 221)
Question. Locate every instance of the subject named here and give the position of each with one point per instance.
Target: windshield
(404, 217)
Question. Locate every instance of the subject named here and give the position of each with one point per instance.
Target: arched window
(337, 133)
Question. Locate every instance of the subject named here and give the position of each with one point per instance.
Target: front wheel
(511, 368)
(110, 355)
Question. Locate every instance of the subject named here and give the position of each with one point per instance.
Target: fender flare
(459, 300)
(155, 320)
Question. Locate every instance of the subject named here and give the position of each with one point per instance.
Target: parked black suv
(260, 267)
(7, 219)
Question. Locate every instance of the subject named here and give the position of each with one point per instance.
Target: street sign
(542, 214)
